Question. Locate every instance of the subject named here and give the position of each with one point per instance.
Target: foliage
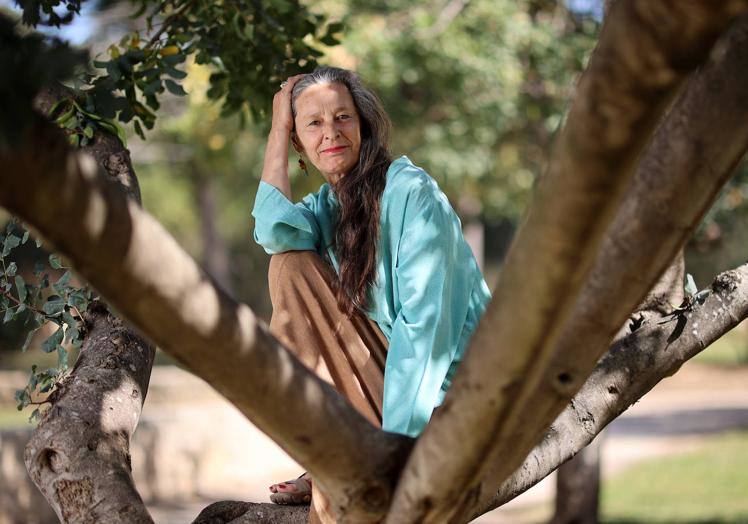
(28, 62)
(475, 95)
(250, 45)
(37, 303)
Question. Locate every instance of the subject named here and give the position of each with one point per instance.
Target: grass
(708, 485)
(11, 418)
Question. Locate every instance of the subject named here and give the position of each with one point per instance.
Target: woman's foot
(297, 491)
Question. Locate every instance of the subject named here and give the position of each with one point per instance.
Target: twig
(179, 12)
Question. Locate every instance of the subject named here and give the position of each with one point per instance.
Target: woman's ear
(295, 143)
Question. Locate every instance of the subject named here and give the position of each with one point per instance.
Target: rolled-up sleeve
(432, 308)
(281, 225)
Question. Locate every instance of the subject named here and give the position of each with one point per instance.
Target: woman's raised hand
(282, 115)
(275, 165)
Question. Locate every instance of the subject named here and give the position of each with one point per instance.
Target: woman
(372, 283)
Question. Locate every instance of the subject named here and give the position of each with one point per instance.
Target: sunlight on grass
(708, 485)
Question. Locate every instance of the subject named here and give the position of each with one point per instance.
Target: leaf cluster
(40, 302)
(28, 63)
(47, 12)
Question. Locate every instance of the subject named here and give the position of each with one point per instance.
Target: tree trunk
(578, 487)
(216, 260)
(78, 455)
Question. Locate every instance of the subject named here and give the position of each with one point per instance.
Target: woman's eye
(344, 117)
(313, 123)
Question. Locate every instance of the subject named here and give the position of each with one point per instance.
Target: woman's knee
(285, 267)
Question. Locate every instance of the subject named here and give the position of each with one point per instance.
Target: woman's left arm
(432, 292)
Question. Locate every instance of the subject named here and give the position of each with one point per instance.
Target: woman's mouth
(333, 150)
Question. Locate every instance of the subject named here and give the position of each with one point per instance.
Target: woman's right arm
(281, 225)
(275, 166)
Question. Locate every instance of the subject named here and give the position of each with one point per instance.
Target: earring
(302, 165)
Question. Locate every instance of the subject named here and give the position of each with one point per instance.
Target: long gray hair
(360, 191)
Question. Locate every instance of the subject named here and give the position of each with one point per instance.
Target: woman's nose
(331, 130)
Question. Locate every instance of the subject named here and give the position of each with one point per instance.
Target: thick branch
(79, 455)
(627, 372)
(141, 270)
(692, 155)
(618, 102)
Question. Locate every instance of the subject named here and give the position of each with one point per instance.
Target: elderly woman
(372, 283)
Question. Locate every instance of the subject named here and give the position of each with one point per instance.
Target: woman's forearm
(275, 166)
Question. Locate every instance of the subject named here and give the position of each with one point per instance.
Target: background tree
(587, 232)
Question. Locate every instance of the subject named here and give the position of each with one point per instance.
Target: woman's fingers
(282, 114)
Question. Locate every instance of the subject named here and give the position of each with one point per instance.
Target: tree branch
(693, 153)
(631, 368)
(141, 270)
(78, 455)
(618, 103)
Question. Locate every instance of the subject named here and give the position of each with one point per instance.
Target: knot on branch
(727, 281)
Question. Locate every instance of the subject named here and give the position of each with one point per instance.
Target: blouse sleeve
(424, 334)
(281, 225)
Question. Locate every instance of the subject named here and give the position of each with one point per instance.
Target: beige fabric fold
(347, 352)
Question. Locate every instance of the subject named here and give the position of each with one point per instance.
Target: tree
(657, 125)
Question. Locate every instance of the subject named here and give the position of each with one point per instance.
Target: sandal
(301, 495)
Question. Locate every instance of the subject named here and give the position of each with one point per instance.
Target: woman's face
(328, 129)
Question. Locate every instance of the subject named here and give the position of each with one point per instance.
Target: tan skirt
(348, 353)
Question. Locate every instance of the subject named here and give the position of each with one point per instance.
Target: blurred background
(476, 91)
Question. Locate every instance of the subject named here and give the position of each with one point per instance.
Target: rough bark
(631, 368)
(78, 456)
(691, 156)
(141, 270)
(618, 102)
(251, 513)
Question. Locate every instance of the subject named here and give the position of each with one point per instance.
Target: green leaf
(88, 131)
(62, 358)
(11, 269)
(21, 288)
(51, 344)
(174, 88)
(115, 129)
(335, 27)
(25, 237)
(62, 283)
(11, 241)
(54, 305)
(54, 261)
(8, 315)
(29, 336)
(78, 300)
(139, 129)
(175, 73)
(690, 288)
(71, 333)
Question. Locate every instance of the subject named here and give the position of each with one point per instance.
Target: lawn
(708, 485)
(11, 418)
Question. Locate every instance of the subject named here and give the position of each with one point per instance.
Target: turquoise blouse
(429, 292)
